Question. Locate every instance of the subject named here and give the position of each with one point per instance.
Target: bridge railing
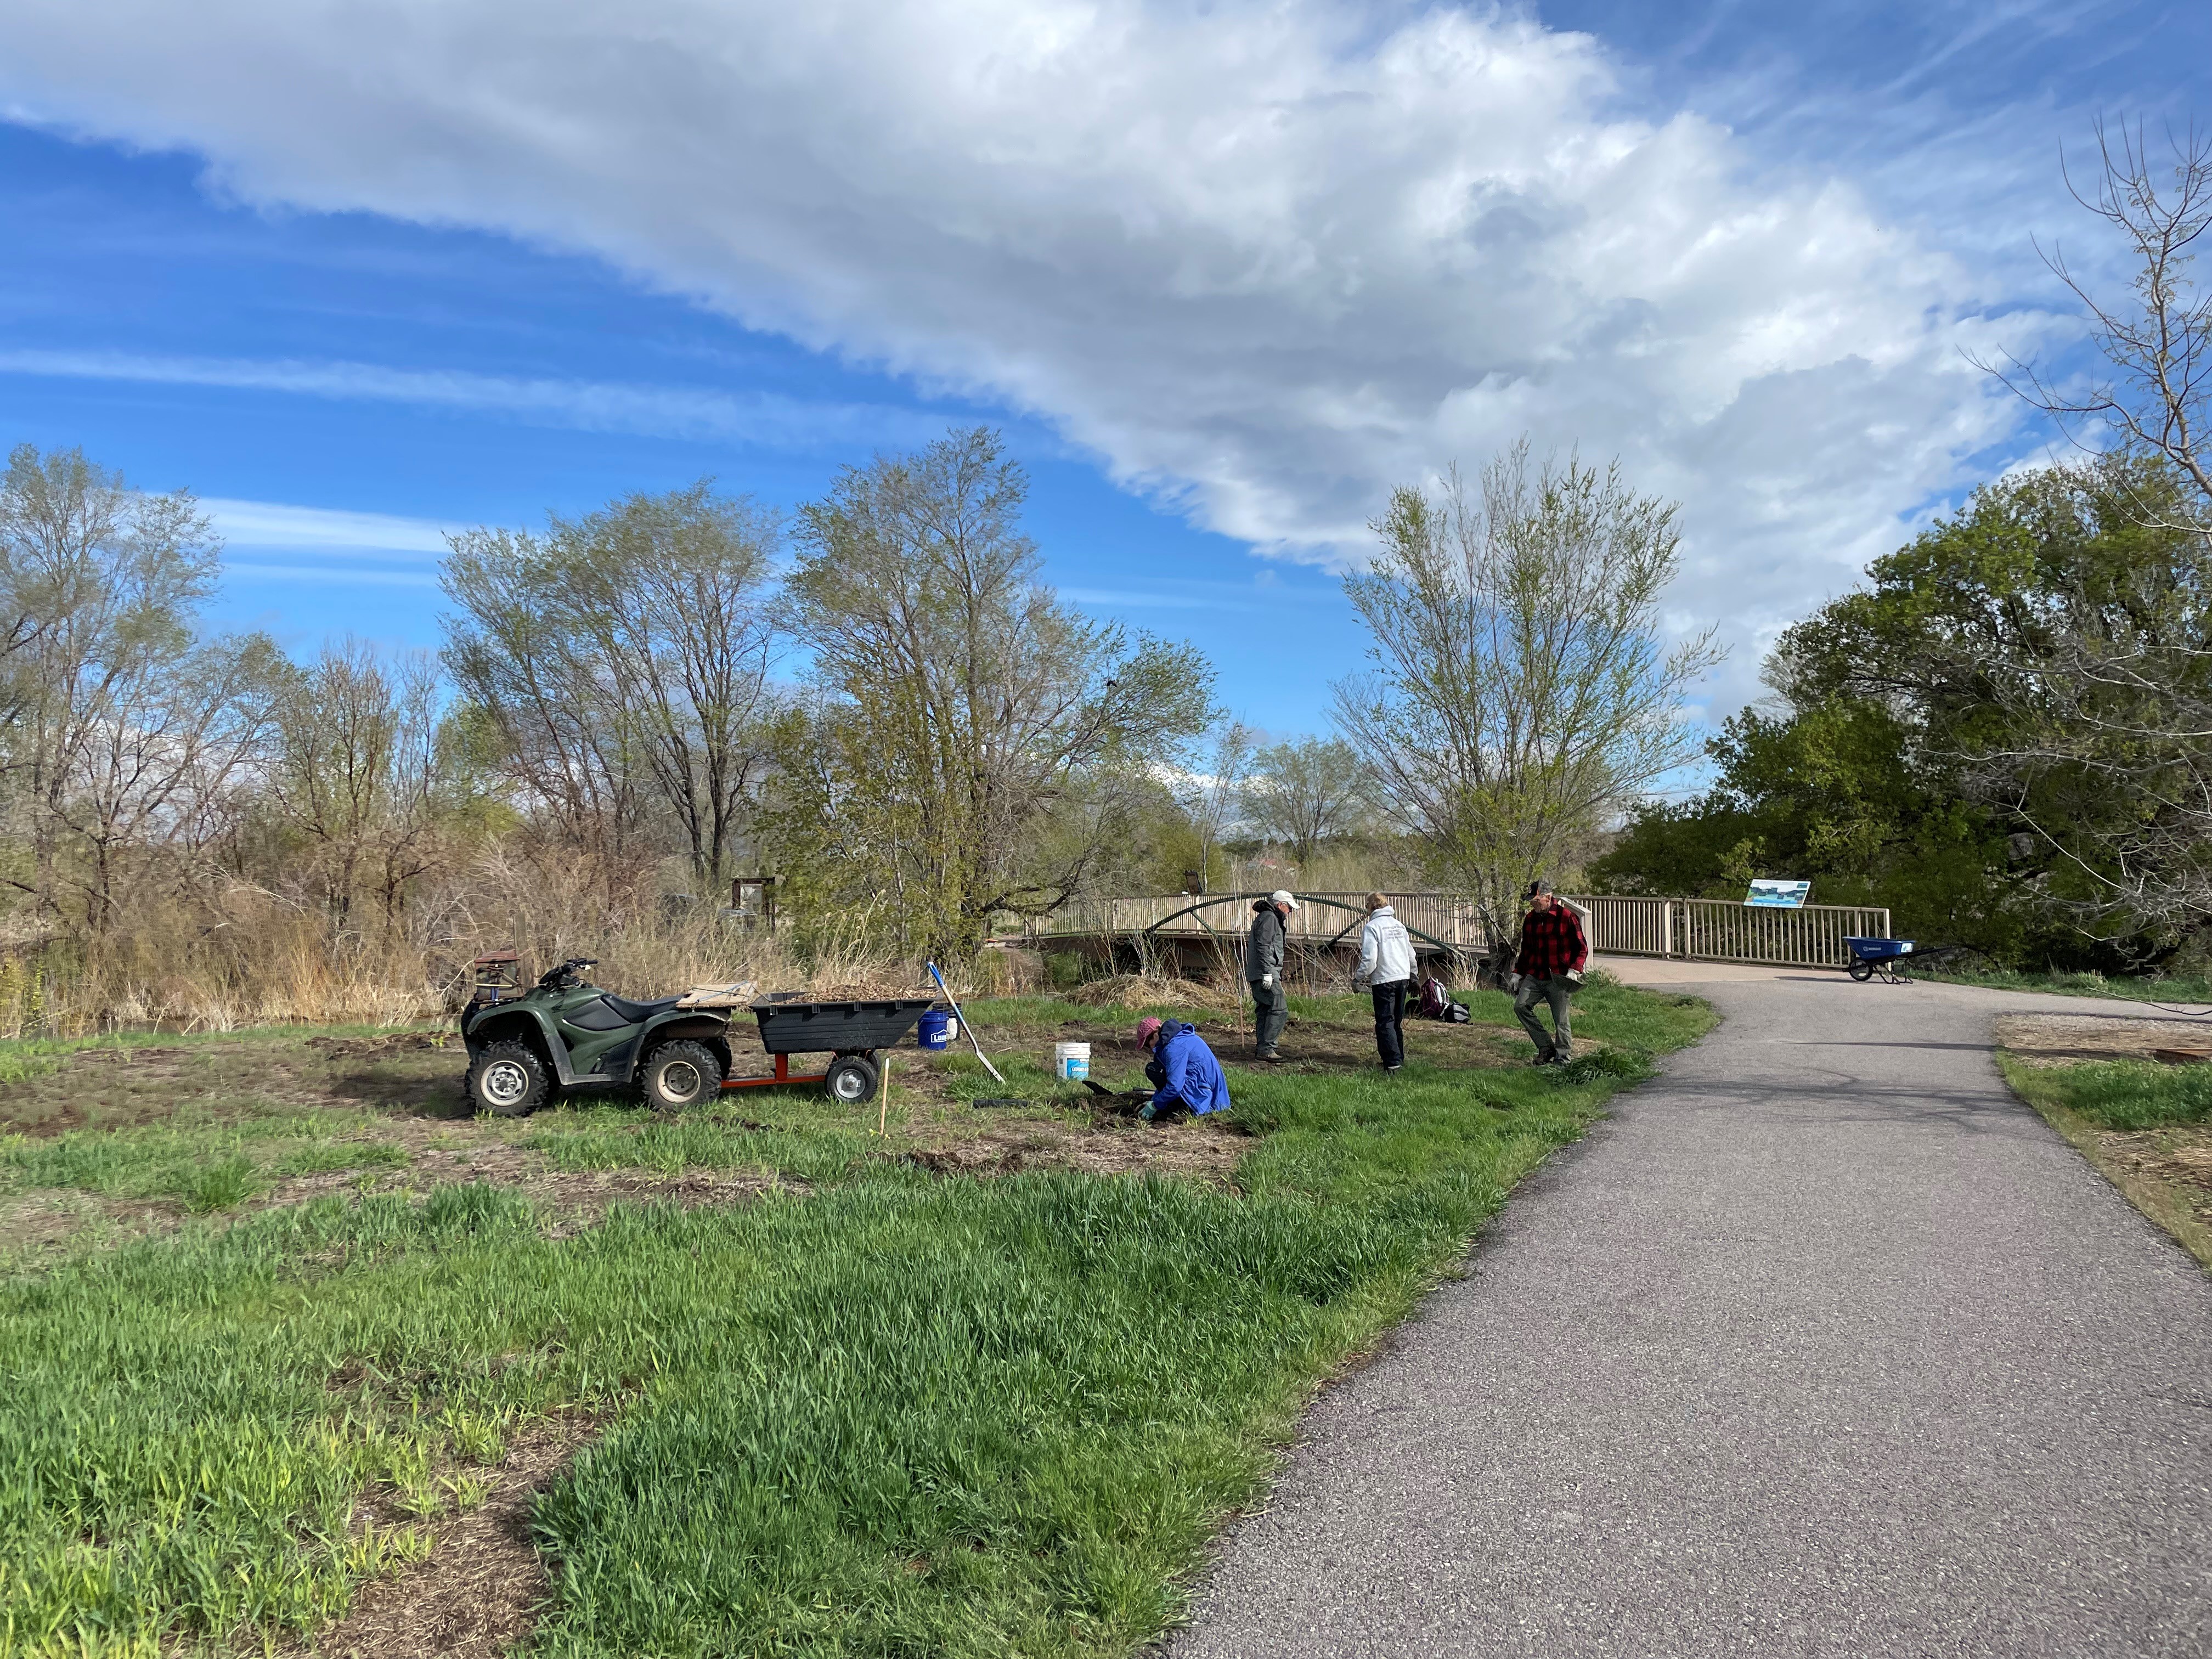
(1451, 918)
(1713, 930)
(1721, 930)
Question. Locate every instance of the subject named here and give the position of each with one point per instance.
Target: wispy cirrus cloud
(767, 420)
(278, 525)
(348, 576)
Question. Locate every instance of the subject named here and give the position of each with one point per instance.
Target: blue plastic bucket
(936, 1029)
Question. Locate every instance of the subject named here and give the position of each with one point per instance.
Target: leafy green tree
(976, 747)
(1523, 692)
(2004, 736)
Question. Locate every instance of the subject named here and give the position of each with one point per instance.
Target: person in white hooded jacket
(1386, 963)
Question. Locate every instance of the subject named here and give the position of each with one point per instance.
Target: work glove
(1150, 1112)
(1268, 981)
(1575, 975)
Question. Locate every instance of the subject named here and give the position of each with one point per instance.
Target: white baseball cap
(1282, 896)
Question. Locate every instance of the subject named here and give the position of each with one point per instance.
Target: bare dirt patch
(944, 1132)
(576, 1198)
(2061, 1039)
(1309, 1045)
(1196, 1147)
(483, 1584)
(2178, 1159)
(417, 1073)
(37, 1224)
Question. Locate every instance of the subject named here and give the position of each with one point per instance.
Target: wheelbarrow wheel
(680, 1075)
(851, 1078)
(1862, 969)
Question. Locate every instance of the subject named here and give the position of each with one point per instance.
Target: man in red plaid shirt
(1552, 956)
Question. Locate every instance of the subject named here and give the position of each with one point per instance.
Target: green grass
(209, 1168)
(902, 1415)
(728, 1137)
(2123, 1095)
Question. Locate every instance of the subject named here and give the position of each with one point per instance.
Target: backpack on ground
(1435, 1003)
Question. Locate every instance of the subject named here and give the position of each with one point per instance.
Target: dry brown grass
(1157, 991)
(244, 957)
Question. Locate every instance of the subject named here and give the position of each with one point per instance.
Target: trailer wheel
(851, 1078)
(679, 1074)
(509, 1081)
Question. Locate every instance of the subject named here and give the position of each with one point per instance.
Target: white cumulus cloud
(1263, 259)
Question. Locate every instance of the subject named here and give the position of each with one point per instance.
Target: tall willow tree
(1521, 692)
(623, 658)
(976, 745)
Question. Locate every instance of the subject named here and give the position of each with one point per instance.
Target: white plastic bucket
(1071, 1061)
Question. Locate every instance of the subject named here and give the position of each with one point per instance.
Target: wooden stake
(883, 1097)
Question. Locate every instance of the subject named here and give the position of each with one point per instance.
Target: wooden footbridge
(1203, 935)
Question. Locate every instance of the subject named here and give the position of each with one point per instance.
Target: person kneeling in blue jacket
(1182, 1069)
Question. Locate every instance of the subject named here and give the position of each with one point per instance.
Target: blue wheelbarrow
(1879, 958)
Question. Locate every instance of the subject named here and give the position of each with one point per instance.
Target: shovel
(964, 1025)
(1123, 1099)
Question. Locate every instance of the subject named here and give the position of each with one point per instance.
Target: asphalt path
(1821, 1344)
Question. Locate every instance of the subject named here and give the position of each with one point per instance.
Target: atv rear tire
(509, 1081)
(851, 1078)
(679, 1074)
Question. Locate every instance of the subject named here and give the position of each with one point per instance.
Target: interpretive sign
(1784, 894)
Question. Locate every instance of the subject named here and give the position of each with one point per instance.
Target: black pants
(1390, 1020)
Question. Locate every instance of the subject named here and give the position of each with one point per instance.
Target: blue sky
(1222, 276)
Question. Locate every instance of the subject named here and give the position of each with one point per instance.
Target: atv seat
(636, 1011)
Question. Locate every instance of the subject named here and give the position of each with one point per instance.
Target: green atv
(567, 1033)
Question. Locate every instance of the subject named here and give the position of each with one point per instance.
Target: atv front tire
(509, 1081)
(679, 1074)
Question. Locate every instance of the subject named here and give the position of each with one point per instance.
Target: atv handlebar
(561, 978)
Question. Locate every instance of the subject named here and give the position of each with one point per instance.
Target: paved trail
(1821, 1345)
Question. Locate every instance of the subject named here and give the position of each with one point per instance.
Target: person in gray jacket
(1386, 963)
(1263, 971)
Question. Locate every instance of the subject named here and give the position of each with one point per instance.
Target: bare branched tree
(1523, 692)
(1307, 792)
(352, 772)
(624, 658)
(2158, 342)
(121, 713)
(1211, 793)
